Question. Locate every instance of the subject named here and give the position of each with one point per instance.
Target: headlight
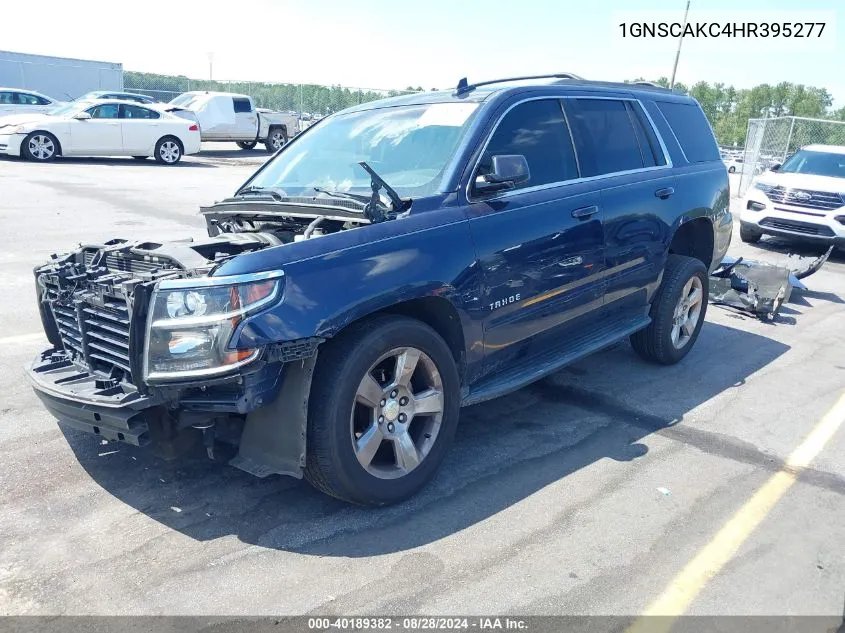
(764, 187)
(191, 322)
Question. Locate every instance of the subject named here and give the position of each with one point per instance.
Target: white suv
(804, 198)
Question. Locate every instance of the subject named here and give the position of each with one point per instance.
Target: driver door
(100, 135)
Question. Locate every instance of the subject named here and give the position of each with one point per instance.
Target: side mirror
(82, 116)
(509, 171)
(775, 167)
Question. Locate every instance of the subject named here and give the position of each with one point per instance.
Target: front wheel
(247, 144)
(276, 138)
(168, 151)
(731, 170)
(40, 146)
(382, 411)
(748, 234)
(677, 312)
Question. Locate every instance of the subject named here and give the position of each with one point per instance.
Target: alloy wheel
(397, 413)
(687, 312)
(169, 151)
(41, 147)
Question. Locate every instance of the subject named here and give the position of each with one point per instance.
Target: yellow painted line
(22, 338)
(683, 589)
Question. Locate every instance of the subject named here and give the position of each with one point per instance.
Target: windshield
(816, 163)
(408, 146)
(68, 108)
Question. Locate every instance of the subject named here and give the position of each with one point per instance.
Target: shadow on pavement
(505, 451)
(122, 161)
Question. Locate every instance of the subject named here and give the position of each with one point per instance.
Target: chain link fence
(770, 141)
(308, 99)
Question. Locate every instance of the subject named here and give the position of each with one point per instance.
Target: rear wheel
(40, 146)
(276, 138)
(382, 411)
(677, 312)
(748, 234)
(247, 144)
(168, 150)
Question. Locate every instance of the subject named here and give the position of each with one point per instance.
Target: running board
(608, 332)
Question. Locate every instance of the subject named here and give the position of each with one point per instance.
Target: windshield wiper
(343, 194)
(374, 208)
(260, 190)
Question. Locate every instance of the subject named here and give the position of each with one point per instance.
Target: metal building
(58, 77)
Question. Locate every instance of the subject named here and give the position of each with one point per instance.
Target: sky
(430, 43)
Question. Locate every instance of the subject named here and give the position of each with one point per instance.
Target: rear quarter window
(691, 129)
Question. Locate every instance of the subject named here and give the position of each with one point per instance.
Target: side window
(137, 112)
(28, 99)
(604, 136)
(105, 111)
(692, 130)
(7, 98)
(536, 130)
(241, 104)
(649, 145)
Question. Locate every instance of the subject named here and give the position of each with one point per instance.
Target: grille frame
(810, 229)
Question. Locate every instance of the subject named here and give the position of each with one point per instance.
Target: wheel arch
(694, 237)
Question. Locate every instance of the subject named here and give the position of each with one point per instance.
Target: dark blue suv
(396, 261)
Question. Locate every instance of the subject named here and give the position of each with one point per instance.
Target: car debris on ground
(758, 287)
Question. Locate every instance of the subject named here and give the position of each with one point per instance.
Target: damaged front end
(760, 288)
(144, 350)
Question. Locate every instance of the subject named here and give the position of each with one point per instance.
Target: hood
(22, 118)
(803, 181)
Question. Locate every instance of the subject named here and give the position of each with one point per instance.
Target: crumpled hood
(21, 119)
(804, 181)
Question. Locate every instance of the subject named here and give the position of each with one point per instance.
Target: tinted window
(650, 148)
(7, 98)
(137, 112)
(28, 99)
(537, 130)
(241, 104)
(604, 136)
(691, 129)
(105, 111)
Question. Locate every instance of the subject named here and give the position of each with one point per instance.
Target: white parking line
(21, 338)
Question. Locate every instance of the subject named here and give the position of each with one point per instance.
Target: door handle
(664, 193)
(585, 212)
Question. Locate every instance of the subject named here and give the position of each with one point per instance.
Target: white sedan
(15, 100)
(99, 128)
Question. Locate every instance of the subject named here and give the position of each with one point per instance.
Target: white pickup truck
(225, 116)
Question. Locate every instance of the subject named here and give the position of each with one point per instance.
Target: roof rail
(648, 83)
(464, 86)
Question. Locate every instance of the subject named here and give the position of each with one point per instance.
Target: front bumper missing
(271, 405)
(88, 403)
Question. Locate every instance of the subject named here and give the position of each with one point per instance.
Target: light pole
(210, 65)
(678, 52)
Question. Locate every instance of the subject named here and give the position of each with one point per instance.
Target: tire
(731, 170)
(40, 146)
(338, 415)
(247, 144)
(277, 137)
(140, 157)
(168, 150)
(657, 342)
(748, 234)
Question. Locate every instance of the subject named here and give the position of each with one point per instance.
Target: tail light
(194, 128)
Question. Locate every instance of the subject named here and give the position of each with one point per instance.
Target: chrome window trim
(580, 179)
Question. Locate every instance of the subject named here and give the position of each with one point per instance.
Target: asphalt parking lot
(590, 492)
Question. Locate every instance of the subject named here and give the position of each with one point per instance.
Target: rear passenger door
(618, 147)
(140, 129)
(540, 245)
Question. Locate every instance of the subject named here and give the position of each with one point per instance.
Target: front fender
(325, 293)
